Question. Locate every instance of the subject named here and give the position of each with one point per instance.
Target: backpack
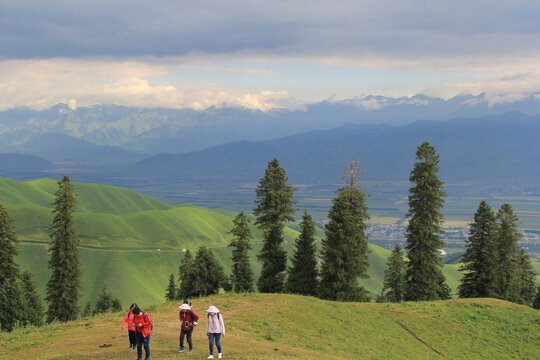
(144, 318)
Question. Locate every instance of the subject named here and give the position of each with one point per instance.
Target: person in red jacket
(128, 319)
(143, 326)
(188, 319)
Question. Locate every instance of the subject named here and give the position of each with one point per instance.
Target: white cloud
(40, 84)
(370, 104)
(72, 104)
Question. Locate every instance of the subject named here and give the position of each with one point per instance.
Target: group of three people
(140, 326)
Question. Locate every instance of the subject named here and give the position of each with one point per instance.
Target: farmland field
(387, 201)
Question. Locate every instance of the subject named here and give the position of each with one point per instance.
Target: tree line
(493, 264)
(494, 267)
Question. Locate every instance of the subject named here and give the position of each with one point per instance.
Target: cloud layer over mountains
(263, 55)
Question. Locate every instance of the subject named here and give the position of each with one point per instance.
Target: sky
(263, 54)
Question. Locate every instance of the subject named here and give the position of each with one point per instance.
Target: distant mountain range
(68, 149)
(492, 148)
(154, 131)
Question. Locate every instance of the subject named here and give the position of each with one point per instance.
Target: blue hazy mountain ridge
(64, 148)
(160, 130)
(496, 147)
(23, 162)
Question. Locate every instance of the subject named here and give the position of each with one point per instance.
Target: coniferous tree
(11, 301)
(536, 303)
(87, 311)
(227, 285)
(242, 275)
(507, 238)
(344, 249)
(522, 286)
(274, 207)
(185, 272)
(12, 306)
(207, 273)
(171, 293)
(107, 302)
(424, 277)
(33, 306)
(9, 270)
(302, 276)
(394, 277)
(64, 261)
(515, 277)
(479, 261)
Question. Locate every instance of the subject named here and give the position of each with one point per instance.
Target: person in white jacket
(214, 329)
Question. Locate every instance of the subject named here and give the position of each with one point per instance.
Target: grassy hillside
(121, 231)
(142, 275)
(90, 197)
(294, 327)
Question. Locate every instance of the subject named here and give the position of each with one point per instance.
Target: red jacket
(129, 320)
(187, 318)
(145, 323)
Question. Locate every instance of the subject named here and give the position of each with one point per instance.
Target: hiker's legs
(211, 343)
(139, 339)
(147, 346)
(182, 334)
(189, 338)
(132, 340)
(218, 343)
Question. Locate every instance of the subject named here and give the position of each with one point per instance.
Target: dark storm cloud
(118, 28)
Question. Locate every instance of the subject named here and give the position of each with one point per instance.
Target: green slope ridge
(121, 231)
(142, 275)
(90, 197)
(281, 326)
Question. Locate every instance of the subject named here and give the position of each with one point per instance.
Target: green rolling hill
(131, 243)
(280, 326)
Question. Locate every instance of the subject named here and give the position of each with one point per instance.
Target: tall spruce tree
(207, 273)
(64, 261)
(344, 249)
(536, 302)
(171, 293)
(185, 274)
(425, 280)
(33, 306)
(394, 277)
(242, 275)
(515, 275)
(507, 238)
(13, 302)
(479, 261)
(9, 270)
(522, 286)
(12, 305)
(302, 276)
(274, 207)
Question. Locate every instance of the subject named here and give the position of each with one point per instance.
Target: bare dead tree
(352, 173)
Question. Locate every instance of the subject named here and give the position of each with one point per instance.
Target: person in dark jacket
(188, 320)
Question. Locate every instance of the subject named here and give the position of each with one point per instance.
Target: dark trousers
(143, 341)
(188, 333)
(132, 339)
